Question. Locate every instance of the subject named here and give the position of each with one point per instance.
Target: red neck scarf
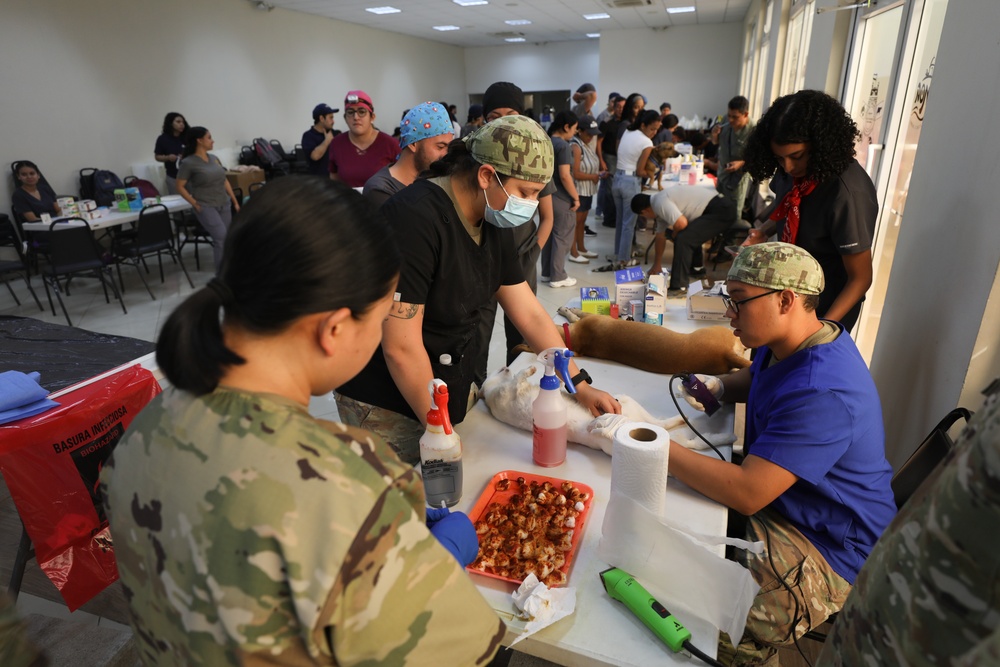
(788, 209)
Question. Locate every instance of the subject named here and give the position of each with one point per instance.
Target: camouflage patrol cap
(778, 266)
(515, 146)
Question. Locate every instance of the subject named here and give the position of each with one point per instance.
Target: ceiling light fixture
(514, 39)
(593, 35)
(383, 10)
(679, 10)
(594, 17)
(470, 3)
(518, 22)
(446, 28)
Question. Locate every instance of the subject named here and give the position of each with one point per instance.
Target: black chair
(254, 187)
(10, 238)
(925, 459)
(153, 235)
(194, 234)
(238, 193)
(280, 150)
(922, 462)
(74, 251)
(248, 156)
(298, 160)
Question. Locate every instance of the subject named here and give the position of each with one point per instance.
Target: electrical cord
(670, 388)
(781, 580)
(690, 648)
(767, 544)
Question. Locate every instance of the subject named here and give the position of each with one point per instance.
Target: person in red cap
(357, 154)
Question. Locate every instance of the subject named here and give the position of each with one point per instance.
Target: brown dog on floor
(712, 350)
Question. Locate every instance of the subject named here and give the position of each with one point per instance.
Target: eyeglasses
(360, 112)
(735, 305)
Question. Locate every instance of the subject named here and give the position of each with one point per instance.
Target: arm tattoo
(405, 311)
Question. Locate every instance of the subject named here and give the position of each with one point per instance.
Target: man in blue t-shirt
(814, 483)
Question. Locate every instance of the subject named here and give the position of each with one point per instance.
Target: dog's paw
(568, 313)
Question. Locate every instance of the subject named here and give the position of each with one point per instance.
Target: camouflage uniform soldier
(814, 482)
(929, 593)
(248, 532)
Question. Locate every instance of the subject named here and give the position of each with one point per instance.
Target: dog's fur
(657, 161)
(509, 397)
(712, 350)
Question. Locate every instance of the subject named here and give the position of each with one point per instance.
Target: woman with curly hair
(826, 202)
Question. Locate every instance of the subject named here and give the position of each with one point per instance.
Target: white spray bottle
(440, 451)
(548, 412)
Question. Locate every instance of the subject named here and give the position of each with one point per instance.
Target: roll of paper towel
(639, 458)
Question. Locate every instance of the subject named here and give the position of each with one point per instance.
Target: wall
(84, 86)
(695, 68)
(552, 66)
(926, 358)
(826, 54)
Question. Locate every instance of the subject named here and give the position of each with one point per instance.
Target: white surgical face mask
(515, 212)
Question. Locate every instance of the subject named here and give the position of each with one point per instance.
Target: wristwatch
(582, 376)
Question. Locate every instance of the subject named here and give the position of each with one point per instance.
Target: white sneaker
(568, 282)
(579, 259)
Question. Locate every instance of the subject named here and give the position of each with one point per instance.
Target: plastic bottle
(440, 451)
(548, 412)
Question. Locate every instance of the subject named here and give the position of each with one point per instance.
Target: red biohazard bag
(51, 463)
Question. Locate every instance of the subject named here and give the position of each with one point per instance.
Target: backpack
(105, 184)
(266, 153)
(146, 189)
(269, 159)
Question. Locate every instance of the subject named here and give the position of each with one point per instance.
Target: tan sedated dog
(712, 350)
(658, 161)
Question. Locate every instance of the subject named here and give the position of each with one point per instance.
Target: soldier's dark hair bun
(302, 245)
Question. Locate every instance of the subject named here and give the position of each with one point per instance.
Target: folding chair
(73, 251)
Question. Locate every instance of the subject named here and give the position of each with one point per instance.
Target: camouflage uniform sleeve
(400, 597)
(929, 592)
(15, 649)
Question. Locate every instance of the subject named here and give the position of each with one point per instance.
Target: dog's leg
(572, 315)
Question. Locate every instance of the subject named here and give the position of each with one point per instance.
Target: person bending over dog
(815, 484)
(691, 215)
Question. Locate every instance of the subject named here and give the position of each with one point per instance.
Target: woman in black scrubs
(826, 203)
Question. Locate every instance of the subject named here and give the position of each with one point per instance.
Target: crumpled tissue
(541, 605)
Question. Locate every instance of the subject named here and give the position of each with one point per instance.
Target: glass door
(923, 35)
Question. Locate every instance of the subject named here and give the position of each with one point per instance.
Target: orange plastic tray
(492, 495)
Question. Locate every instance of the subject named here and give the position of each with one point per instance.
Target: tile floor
(88, 310)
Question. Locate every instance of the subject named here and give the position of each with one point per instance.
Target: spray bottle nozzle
(438, 414)
(556, 360)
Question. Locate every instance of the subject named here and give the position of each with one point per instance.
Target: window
(757, 99)
(793, 75)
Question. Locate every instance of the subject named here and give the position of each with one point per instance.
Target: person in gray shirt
(201, 180)
(733, 180)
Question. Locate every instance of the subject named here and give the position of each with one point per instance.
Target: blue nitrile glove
(435, 514)
(456, 533)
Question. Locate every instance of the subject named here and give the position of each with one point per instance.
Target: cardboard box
(128, 199)
(244, 179)
(706, 304)
(595, 300)
(656, 299)
(636, 310)
(629, 285)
